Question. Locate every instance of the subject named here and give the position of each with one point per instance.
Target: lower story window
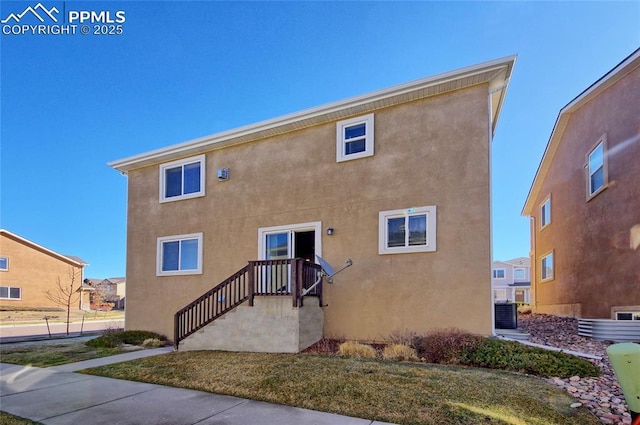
(408, 230)
(546, 269)
(178, 255)
(10, 293)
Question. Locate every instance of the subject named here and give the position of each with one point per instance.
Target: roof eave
(629, 63)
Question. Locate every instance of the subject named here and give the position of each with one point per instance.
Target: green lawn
(403, 393)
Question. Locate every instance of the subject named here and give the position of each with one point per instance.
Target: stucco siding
(433, 151)
(596, 268)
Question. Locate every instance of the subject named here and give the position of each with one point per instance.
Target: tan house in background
(396, 180)
(112, 290)
(28, 271)
(584, 203)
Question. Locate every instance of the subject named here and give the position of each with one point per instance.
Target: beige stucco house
(397, 180)
(584, 203)
(29, 270)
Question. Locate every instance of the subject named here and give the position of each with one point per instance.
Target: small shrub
(524, 309)
(399, 353)
(112, 339)
(445, 345)
(509, 355)
(324, 346)
(152, 343)
(354, 349)
(402, 337)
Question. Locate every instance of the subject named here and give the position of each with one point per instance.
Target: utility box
(625, 359)
(506, 315)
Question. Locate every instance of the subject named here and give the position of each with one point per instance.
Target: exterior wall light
(330, 231)
(223, 174)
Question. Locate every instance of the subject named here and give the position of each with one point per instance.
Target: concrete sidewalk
(56, 395)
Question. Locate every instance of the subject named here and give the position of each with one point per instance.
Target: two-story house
(110, 290)
(396, 180)
(511, 280)
(29, 270)
(584, 203)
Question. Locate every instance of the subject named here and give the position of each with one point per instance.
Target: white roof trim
(496, 72)
(41, 248)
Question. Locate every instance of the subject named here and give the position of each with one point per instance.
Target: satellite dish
(325, 266)
(327, 271)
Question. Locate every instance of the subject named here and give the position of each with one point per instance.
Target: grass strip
(53, 354)
(402, 393)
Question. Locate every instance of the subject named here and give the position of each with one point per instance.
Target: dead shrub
(357, 350)
(445, 345)
(152, 343)
(399, 353)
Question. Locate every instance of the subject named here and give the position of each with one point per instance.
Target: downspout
(490, 139)
(533, 299)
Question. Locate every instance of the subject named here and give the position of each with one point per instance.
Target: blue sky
(180, 70)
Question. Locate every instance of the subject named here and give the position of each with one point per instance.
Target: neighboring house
(405, 201)
(511, 280)
(584, 203)
(111, 289)
(28, 271)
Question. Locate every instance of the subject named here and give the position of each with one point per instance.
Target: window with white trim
(627, 315)
(545, 213)
(546, 267)
(499, 273)
(179, 255)
(10, 293)
(519, 274)
(408, 230)
(4, 263)
(354, 138)
(596, 169)
(182, 179)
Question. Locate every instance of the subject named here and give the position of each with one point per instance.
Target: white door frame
(316, 226)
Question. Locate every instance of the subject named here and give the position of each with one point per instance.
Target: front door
(283, 242)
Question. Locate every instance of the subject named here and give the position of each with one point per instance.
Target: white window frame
(635, 315)
(177, 238)
(182, 162)
(544, 278)
(605, 169)
(6, 264)
(368, 138)
(504, 273)
(9, 288)
(545, 208)
(524, 273)
(500, 291)
(432, 220)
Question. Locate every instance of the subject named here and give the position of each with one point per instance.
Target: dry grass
(53, 354)
(356, 350)
(7, 419)
(402, 393)
(399, 353)
(55, 315)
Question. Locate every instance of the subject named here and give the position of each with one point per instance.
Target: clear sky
(70, 103)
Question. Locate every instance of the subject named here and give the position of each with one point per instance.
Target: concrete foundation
(272, 325)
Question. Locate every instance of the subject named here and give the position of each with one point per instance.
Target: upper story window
(10, 293)
(4, 263)
(409, 230)
(182, 179)
(354, 138)
(180, 254)
(596, 169)
(499, 273)
(519, 274)
(545, 213)
(546, 267)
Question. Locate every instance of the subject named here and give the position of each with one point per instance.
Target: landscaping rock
(602, 395)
